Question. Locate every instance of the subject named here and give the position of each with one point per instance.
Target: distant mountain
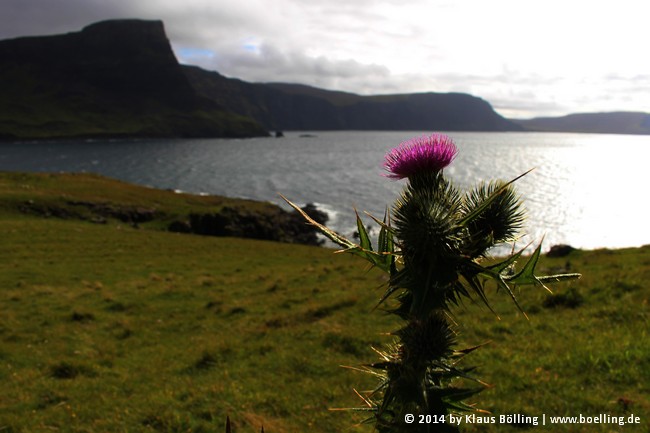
(116, 78)
(120, 78)
(282, 106)
(622, 122)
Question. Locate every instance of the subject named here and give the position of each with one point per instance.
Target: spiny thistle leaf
(462, 352)
(477, 286)
(386, 243)
(527, 274)
(558, 278)
(524, 277)
(385, 239)
(392, 288)
(330, 234)
(501, 267)
(458, 394)
(376, 259)
(364, 239)
(499, 280)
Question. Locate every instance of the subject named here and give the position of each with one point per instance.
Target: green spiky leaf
(364, 239)
(527, 273)
(380, 260)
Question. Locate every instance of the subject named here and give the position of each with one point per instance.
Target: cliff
(113, 78)
(281, 106)
(120, 78)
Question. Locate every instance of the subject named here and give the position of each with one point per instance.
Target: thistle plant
(433, 244)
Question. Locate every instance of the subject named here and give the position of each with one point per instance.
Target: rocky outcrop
(272, 224)
(278, 225)
(561, 250)
(113, 78)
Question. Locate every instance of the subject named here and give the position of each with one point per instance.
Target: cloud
(526, 58)
(265, 63)
(40, 17)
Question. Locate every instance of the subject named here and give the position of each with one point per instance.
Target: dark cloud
(42, 17)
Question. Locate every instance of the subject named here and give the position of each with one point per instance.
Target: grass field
(111, 328)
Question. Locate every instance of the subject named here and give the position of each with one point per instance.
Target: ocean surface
(586, 190)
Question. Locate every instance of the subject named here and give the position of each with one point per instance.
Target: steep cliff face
(298, 107)
(114, 78)
(135, 57)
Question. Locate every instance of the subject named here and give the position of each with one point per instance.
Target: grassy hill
(111, 328)
(101, 200)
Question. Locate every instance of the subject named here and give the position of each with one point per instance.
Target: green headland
(110, 323)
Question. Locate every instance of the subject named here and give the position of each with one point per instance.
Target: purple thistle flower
(420, 154)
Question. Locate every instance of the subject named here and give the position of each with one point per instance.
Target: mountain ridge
(121, 78)
(289, 106)
(614, 122)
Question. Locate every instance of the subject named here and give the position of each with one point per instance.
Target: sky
(526, 58)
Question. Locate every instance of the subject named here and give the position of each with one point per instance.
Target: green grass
(108, 328)
(584, 350)
(88, 196)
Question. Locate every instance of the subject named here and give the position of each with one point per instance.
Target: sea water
(586, 190)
